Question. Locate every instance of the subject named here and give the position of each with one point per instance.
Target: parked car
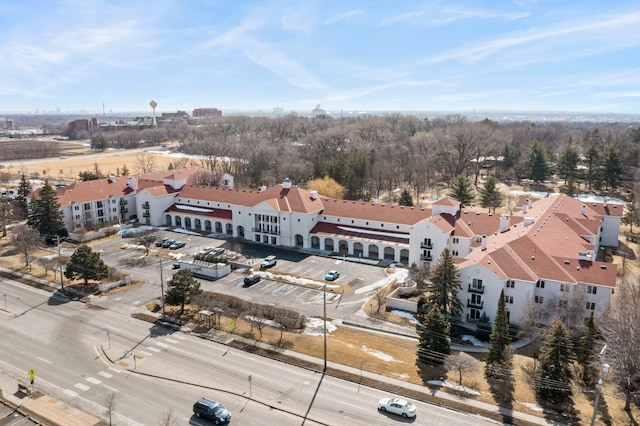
(332, 275)
(177, 245)
(160, 242)
(251, 280)
(177, 264)
(398, 406)
(211, 410)
(167, 243)
(268, 262)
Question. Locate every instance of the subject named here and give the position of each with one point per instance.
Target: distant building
(172, 115)
(206, 112)
(9, 124)
(84, 125)
(319, 112)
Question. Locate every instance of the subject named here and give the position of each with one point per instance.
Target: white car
(398, 406)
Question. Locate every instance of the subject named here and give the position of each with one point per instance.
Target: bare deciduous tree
(110, 405)
(26, 240)
(461, 363)
(144, 161)
(622, 334)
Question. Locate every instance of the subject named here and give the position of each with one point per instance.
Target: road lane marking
(70, 393)
(82, 386)
(146, 353)
(171, 341)
(45, 360)
(162, 345)
(109, 387)
(99, 356)
(93, 380)
(156, 350)
(105, 374)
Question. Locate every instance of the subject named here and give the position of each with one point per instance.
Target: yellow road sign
(32, 374)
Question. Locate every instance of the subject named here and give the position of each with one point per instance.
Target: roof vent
(566, 262)
(533, 258)
(603, 266)
(314, 195)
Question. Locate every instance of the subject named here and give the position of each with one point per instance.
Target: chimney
(375, 200)
(286, 183)
(605, 203)
(263, 188)
(132, 183)
(504, 222)
(483, 243)
(529, 202)
(524, 208)
(584, 210)
(314, 195)
(527, 221)
(112, 178)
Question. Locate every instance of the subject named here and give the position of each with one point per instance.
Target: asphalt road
(84, 355)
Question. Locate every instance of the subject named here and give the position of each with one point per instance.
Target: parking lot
(346, 295)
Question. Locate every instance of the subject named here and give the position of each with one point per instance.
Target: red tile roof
(359, 233)
(386, 213)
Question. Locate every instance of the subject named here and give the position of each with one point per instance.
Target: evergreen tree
(86, 264)
(483, 327)
(47, 216)
(181, 289)
(632, 214)
(405, 198)
(98, 142)
(568, 162)
(444, 288)
(592, 164)
(490, 195)
(21, 203)
(434, 346)
(612, 167)
(499, 356)
(460, 189)
(538, 163)
(585, 353)
(554, 371)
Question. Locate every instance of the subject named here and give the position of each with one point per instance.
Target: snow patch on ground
(474, 341)
(263, 321)
(133, 247)
(405, 314)
(315, 327)
(184, 231)
(378, 354)
(454, 386)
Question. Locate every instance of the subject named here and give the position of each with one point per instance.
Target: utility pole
(60, 262)
(162, 290)
(324, 304)
(603, 368)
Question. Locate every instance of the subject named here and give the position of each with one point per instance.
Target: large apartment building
(543, 254)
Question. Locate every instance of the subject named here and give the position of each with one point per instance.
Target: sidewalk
(43, 408)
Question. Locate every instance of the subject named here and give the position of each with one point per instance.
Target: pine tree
(499, 356)
(592, 164)
(21, 203)
(181, 288)
(86, 264)
(490, 196)
(585, 352)
(460, 189)
(612, 167)
(568, 162)
(555, 373)
(444, 288)
(405, 198)
(434, 341)
(538, 163)
(47, 216)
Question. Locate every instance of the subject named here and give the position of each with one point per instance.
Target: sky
(366, 55)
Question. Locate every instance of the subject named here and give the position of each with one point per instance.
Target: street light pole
(162, 290)
(603, 368)
(60, 262)
(324, 305)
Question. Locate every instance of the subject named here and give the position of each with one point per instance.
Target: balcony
(124, 210)
(263, 231)
(428, 245)
(146, 214)
(426, 257)
(146, 205)
(124, 202)
(477, 289)
(476, 305)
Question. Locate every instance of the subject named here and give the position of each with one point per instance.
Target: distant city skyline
(461, 56)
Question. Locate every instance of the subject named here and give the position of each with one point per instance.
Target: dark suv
(208, 409)
(251, 280)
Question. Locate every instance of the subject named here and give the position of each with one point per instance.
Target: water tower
(154, 104)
